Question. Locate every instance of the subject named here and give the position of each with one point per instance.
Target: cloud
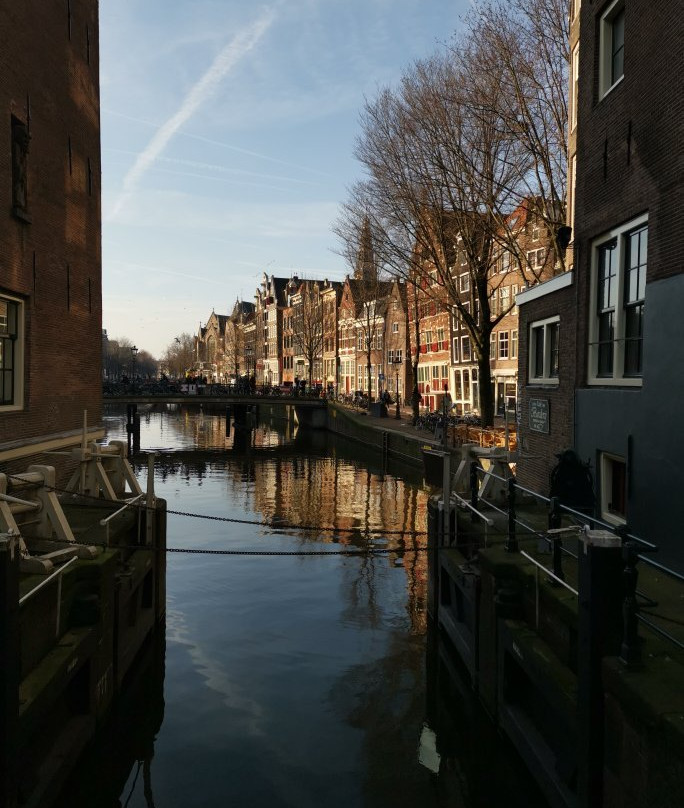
(231, 54)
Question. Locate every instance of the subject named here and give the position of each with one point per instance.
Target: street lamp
(134, 351)
(397, 364)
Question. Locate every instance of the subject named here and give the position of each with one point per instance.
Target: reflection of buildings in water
(350, 503)
(384, 700)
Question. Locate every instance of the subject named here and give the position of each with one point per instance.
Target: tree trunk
(486, 391)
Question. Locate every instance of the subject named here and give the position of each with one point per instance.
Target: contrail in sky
(238, 47)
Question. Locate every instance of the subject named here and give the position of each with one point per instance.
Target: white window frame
(606, 464)
(514, 343)
(503, 345)
(606, 82)
(17, 359)
(466, 355)
(464, 282)
(620, 235)
(545, 327)
(533, 258)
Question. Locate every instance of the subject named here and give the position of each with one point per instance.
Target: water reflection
(293, 680)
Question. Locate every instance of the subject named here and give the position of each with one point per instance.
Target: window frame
(606, 82)
(503, 344)
(607, 463)
(547, 327)
(620, 236)
(17, 365)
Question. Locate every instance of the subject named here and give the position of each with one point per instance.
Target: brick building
(629, 261)
(331, 292)
(398, 372)
(547, 378)
(50, 227)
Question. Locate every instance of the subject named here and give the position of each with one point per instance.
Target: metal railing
(634, 547)
(58, 575)
(128, 504)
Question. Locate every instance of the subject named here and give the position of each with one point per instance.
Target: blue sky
(227, 136)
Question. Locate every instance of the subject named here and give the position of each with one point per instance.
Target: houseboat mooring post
(9, 668)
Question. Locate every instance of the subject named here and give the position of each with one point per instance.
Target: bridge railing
(162, 390)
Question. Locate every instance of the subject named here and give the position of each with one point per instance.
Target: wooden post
(9, 668)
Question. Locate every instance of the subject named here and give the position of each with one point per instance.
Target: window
(503, 344)
(465, 349)
(395, 328)
(536, 258)
(514, 343)
(618, 290)
(11, 353)
(464, 282)
(543, 352)
(492, 346)
(455, 349)
(535, 233)
(613, 488)
(440, 338)
(505, 261)
(611, 47)
(505, 295)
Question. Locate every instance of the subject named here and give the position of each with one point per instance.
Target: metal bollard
(511, 545)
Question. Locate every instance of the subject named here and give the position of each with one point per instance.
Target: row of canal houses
(372, 334)
(590, 366)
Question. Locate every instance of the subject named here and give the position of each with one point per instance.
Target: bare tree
(453, 156)
(367, 286)
(179, 355)
(235, 345)
(307, 325)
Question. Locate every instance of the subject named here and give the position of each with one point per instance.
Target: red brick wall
(536, 450)
(49, 79)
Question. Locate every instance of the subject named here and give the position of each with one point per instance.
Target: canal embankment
(571, 636)
(76, 614)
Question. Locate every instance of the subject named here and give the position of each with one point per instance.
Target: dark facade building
(50, 223)
(629, 260)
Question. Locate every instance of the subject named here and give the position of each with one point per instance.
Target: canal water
(303, 677)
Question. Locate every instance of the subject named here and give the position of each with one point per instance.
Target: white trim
(617, 379)
(542, 289)
(605, 48)
(546, 379)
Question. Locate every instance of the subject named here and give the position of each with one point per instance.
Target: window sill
(611, 88)
(626, 381)
(543, 382)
